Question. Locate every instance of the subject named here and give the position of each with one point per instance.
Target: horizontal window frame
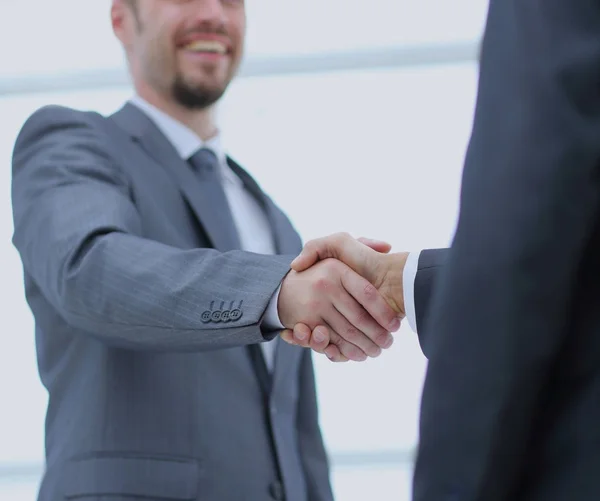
(265, 66)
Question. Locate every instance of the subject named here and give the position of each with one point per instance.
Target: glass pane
(18, 490)
(289, 26)
(72, 35)
(373, 153)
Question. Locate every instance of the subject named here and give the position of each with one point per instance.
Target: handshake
(343, 297)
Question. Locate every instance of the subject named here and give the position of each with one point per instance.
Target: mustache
(203, 31)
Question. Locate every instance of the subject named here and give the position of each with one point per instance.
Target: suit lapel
(287, 242)
(198, 194)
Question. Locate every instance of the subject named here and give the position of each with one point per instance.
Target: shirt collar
(185, 141)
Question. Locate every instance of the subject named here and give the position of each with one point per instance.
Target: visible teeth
(207, 46)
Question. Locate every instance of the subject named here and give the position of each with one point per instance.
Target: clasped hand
(343, 297)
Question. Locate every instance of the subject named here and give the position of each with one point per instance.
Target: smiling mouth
(207, 46)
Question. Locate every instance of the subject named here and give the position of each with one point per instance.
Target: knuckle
(354, 353)
(310, 245)
(340, 237)
(322, 283)
(352, 334)
(330, 264)
(363, 317)
(382, 338)
(347, 350)
(374, 351)
(337, 340)
(370, 291)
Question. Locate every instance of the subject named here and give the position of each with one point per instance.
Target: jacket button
(206, 316)
(225, 316)
(216, 316)
(235, 314)
(276, 491)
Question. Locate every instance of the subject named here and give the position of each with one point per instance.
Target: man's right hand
(330, 294)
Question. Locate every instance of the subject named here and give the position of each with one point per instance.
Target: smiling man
(158, 273)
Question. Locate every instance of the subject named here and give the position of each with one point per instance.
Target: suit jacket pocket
(136, 476)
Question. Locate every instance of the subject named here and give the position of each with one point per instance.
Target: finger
(319, 338)
(319, 249)
(302, 335)
(320, 342)
(373, 302)
(352, 343)
(333, 353)
(364, 323)
(312, 252)
(288, 336)
(376, 245)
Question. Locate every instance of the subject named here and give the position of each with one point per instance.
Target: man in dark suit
(511, 402)
(159, 275)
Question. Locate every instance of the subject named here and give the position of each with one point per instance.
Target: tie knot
(205, 160)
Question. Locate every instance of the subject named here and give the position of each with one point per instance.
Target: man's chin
(197, 95)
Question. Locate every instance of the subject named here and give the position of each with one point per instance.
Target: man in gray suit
(159, 275)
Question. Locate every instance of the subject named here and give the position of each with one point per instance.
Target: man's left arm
(419, 278)
(310, 441)
(529, 205)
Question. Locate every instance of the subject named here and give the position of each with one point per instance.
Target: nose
(210, 12)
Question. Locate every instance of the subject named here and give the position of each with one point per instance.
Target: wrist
(282, 301)
(392, 285)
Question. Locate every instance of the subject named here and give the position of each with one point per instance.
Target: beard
(195, 97)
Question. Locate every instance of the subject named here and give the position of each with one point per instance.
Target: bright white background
(375, 153)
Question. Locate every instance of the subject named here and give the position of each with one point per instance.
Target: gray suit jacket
(149, 396)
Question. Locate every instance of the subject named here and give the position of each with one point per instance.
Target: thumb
(315, 250)
(376, 245)
(305, 260)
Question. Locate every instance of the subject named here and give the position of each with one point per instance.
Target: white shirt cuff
(408, 283)
(271, 319)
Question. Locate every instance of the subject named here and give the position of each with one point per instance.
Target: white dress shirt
(408, 280)
(251, 222)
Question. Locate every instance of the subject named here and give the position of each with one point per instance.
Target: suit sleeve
(310, 441)
(81, 241)
(428, 269)
(529, 207)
